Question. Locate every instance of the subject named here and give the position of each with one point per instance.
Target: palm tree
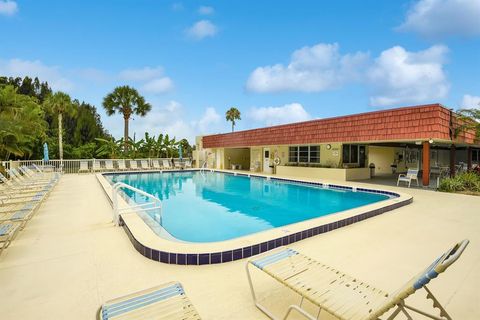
(109, 147)
(127, 101)
(231, 115)
(170, 145)
(60, 103)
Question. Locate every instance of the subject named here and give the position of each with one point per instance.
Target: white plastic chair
(412, 174)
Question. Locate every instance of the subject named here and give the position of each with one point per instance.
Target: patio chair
(188, 164)
(166, 164)
(17, 188)
(19, 212)
(83, 167)
(121, 165)
(156, 165)
(144, 164)
(134, 165)
(97, 166)
(167, 301)
(109, 165)
(8, 231)
(341, 295)
(412, 174)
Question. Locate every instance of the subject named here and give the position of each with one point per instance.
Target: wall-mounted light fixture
(329, 146)
(430, 140)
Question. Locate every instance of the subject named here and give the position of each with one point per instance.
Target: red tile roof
(408, 123)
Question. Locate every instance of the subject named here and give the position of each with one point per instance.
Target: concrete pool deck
(70, 258)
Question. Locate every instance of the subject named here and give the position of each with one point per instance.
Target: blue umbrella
(180, 155)
(45, 152)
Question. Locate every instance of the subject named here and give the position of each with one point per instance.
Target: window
(304, 154)
(476, 155)
(293, 154)
(350, 153)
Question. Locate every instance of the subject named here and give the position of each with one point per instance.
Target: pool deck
(70, 258)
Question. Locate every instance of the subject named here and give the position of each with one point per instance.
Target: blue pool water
(213, 206)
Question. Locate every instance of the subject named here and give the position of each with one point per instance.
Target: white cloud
(171, 118)
(153, 79)
(399, 76)
(160, 85)
(311, 69)
(22, 68)
(441, 18)
(293, 112)
(8, 8)
(142, 74)
(206, 10)
(202, 29)
(470, 102)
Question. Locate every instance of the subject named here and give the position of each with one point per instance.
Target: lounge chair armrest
(402, 175)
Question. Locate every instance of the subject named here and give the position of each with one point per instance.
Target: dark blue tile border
(245, 252)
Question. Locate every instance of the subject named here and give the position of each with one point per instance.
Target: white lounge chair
(156, 165)
(83, 167)
(133, 165)
(343, 296)
(167, 301)
(145, 165)
(166, 164)
(121, 165)
(97, 166)
(8, 231)
(412, 174)
(109, 165)
(188, 164)
(177, 164)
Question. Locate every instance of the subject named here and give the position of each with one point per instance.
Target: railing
(153, 204)
(92, 165)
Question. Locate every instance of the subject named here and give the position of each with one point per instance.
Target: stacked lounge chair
(156, 165)
(166, 164)
(20, 198)
(344, 296)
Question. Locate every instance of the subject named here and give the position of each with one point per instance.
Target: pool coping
(153, 247)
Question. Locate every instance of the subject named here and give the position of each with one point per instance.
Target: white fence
(73, 165)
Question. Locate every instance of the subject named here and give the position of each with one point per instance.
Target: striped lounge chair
(8, 231)
(341, 295)
(166, 301)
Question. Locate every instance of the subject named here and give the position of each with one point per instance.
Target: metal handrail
(155, 202)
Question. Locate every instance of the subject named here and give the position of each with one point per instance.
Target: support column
(469, 158)
(452, 161)
(426, 164)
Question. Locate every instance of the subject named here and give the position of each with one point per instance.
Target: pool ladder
(153, 204)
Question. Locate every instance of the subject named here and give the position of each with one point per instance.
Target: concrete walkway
(70, 258)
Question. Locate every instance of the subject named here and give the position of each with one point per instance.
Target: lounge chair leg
(252, 290)
(395, 313)
(299, 310)
(443, 313)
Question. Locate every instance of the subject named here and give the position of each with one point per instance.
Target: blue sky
(276, 61)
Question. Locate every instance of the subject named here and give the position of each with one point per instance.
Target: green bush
(469, 182)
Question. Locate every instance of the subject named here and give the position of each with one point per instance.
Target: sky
(276, 61)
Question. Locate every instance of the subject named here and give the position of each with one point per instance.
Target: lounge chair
(341, 295)
(177, 164)
(8, 231)
(19, 212)
(144, 164)
(97, 166)
(167, 301)
(121, 165)
(83, 167)
(166, 164)
(188, 164)
(133, 165)
(156, 165)
(109, 165)
(412, 174)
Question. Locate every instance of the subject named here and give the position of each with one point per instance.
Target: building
(431, 138)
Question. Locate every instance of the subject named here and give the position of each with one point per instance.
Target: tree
(127, 101)
(109, 148)
(471, 119)
(170, 145)
(60, 103)
(231, 115)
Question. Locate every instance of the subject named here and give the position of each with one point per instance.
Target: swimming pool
(217, 206)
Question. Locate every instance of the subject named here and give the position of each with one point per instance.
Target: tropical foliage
(472, 119)
(22, 123)
(231, 115)
(468, 182)
(149, 147)
(127, 101)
